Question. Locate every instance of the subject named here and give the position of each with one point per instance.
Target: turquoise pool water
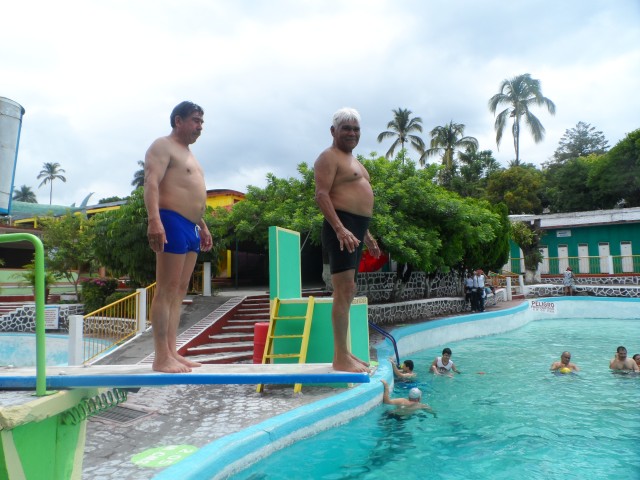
(19, 349)
(516, 420)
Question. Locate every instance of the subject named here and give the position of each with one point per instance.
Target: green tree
(67, 241)
(566, 186)
(138, 176)
(110, 200)
(519, 187)
(520, 93)
(49, 173)
(581, 141)
(401, 128)
(527, 236)
(25, 194)
(616, 177)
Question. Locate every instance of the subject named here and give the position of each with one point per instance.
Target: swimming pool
(230, 453)
(19, 349)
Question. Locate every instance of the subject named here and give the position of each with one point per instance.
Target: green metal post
(41, 358)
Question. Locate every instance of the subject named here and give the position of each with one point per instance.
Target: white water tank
(10, 123)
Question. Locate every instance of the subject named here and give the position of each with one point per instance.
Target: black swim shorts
(342, 260)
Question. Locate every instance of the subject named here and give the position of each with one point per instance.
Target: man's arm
(325, 170)
(206, 241)
(156, 163)
(555, 365)
(385, 396)
(372, 245)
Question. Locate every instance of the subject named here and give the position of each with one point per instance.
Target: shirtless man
(564, 363)
(175, 196)
(622, 362)
(406, 405)
(405, 372)
(345, 197)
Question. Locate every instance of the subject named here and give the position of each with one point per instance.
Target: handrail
(390, 337)
(41, 358)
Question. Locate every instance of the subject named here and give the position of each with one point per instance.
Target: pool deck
(192, 415)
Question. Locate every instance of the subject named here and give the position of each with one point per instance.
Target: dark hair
(621, 349)
(409, 364)
(446, 350)
(183, 110)
(636, 355)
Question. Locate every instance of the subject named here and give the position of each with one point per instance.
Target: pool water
(506, 416)
(19, 349)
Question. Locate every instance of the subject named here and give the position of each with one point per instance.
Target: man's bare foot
(170, 365)
(187, 362)
(361, 362)
(348, 364)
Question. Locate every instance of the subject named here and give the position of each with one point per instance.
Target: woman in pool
(444, 365)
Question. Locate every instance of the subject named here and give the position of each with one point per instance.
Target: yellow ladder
(268, 356)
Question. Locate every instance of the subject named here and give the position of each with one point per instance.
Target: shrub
(95, 292)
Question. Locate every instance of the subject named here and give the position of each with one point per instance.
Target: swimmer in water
(564, 365)
(636, 358)
(621, 362)
(444, 365)
(406, 405)
(405, 372)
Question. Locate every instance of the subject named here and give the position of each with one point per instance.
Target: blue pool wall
(233, 453)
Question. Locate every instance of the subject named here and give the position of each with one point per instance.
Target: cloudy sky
(98, 79)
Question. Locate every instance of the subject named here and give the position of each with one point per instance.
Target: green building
(600, 242)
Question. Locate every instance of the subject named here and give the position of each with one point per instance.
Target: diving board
(133, 376)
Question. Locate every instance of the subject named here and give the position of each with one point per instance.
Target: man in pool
(175, 196)
(444, 365)
(406, 405)
(564, 365)
(345, 197)
(621, 362)
(405, 372)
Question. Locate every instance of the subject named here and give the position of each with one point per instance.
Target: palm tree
(446, 140)
(401, 127)
(25, 194)
(520, 93)
(138, 177)
(51, 172)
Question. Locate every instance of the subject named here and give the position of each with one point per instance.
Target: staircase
(230, 340)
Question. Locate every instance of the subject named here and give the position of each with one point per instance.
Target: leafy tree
(138, 177)
(25, 194)
(67, 241)
(519, 187)
(120, 242)
(520, 93)
(416, 221)
(528, 237)
(400, 128)
(110, 200)
(566, 186)
(580, 141)
(49, 173)
(616, 176)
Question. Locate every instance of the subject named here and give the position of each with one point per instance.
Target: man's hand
(206, 241)
(156, 236)
(347, 239)
(372, 245)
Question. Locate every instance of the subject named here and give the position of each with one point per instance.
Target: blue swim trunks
(182, 234)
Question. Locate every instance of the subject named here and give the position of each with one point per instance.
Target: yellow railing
(114, 324)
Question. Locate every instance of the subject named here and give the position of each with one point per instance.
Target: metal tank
(10, 124)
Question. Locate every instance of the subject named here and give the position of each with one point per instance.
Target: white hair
(345, 115)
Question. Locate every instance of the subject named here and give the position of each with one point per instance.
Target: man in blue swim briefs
(175, 196)
(345, 197)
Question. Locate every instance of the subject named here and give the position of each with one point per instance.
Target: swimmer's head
(408, 364)
(415, 394)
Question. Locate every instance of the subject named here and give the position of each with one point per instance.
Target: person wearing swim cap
(564, 365)
(406, 405)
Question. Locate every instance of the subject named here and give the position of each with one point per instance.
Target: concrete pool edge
(233, 453)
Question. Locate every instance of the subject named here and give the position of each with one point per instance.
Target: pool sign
(546, 307)
(51, 313)
(163, 456)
